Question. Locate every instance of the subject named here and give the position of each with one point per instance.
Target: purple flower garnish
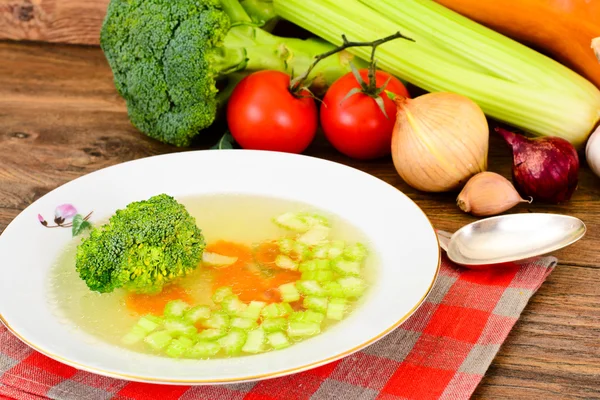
(42, 220)
(65, 211)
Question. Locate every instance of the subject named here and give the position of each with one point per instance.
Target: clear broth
(239, 218)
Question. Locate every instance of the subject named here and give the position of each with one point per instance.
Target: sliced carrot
(266, 253)
(283, 277)
(245, 278)
(143, 304)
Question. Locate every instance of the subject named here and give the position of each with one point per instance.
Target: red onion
(545, 168)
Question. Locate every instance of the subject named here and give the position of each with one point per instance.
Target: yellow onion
(439, 141)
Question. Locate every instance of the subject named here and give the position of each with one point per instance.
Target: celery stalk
(509, 81)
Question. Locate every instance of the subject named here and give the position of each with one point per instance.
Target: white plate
(402, 235)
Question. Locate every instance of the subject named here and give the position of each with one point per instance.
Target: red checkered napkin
(441, 352)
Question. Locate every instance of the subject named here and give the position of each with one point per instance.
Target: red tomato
(356, 126)
(263, 114)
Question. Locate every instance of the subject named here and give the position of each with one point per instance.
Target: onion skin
(439, 141)
(544, 168)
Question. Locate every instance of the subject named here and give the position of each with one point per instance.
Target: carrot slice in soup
(266, 253)
(155, 304)
(241, 277)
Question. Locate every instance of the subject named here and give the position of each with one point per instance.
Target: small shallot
(545, 168)
(488, 193)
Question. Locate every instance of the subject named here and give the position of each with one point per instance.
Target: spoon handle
(443, 238)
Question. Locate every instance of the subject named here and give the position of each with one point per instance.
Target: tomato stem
(297, 83)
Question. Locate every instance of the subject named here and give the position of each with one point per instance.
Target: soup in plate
(266, 274)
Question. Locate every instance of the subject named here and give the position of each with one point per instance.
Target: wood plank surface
(59, 21)
(61, 118)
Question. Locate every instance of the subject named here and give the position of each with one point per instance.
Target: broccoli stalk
(261, 12)
(171, 59)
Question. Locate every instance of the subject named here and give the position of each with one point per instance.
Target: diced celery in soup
(273, 272)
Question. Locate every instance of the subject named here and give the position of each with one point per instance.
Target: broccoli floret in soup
(142, 247)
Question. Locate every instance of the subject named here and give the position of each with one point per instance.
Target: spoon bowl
(512, 237)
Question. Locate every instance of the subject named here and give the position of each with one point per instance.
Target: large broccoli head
(160, 53)
(169, 58)
(142, 247)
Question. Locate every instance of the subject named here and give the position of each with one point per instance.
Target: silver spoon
(511, 237)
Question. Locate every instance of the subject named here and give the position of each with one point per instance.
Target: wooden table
(60, 118)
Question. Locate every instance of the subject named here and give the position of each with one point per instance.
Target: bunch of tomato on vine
(268, 110)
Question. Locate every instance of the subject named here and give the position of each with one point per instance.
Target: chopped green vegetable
(158, 340)
(232, 305)
(336, 248)
(321, 251)
(135, 335)
(275, 310)
(286, 308)
(345, 267)
(289, 293)
(203, 349)
(175, 308)
(233, 342)
(274, 324)
(300, 221)
(336, 309)
(292, 221)
(356, 252)
(315, 219)
(244, 323)
(253, 310)
(307, 316)
(195, 314)
(149, 322)
(221, 293)
(352, 286)
(308, 265)
(255, 342)
(315, 236)
(178, 347)
(334, 289)
(314, 265)
(303, 329)
(301, 251)
(323, 264)
(217, 320)
(316, 303)
(211, 334)
(179, 327)
(320, 276)
(278, 340)
(310, 288)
